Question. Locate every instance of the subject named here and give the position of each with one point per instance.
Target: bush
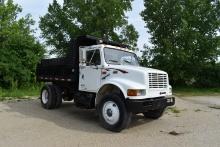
(209, 76)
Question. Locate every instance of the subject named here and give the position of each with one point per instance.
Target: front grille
(157, 80)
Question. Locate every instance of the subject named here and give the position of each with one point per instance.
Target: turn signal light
(135, 92)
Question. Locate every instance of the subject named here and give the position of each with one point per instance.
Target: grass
(190, 91)
(23, 93)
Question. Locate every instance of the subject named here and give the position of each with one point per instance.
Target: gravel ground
(189, 123)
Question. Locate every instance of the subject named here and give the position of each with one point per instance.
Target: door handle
(82, 76)
(95, 67)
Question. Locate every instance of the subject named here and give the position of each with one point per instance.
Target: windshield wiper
(127, 61)
(113, 61)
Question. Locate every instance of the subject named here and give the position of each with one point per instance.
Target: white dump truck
(106, 76)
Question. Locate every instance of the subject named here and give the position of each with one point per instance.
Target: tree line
(184, 36)
(19, 49)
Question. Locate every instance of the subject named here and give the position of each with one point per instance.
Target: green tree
(19, 50)
(184, 36)
(104, 19)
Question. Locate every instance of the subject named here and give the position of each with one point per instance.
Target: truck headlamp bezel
(170, 90)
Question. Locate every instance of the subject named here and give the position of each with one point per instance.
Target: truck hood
(136, 68)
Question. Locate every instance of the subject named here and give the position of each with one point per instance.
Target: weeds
(174, 110)
(215, 107)
(197, 110)
(23, 93)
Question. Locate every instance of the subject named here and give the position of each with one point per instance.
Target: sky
(39, 8)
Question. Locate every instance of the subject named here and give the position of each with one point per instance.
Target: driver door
(90, 71)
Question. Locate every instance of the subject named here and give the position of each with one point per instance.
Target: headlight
(136, 92)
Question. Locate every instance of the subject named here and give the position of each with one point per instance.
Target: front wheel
(154, 114)
(113, 113)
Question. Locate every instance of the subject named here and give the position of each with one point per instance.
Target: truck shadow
(68, 116)
(138, 120)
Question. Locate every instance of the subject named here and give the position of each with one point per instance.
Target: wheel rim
(110, 112)
(44, 96)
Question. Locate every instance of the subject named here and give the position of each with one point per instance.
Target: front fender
(124, 85)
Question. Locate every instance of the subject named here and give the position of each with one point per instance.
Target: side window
(93, 57)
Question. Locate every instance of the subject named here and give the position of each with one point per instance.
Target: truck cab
(111, 80)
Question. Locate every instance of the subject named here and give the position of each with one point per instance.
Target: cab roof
(88, 40)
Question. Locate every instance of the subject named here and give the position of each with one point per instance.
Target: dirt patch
(26, 123)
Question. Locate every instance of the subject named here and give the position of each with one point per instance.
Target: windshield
(120, 57)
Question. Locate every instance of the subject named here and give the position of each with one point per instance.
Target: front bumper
(144, 105)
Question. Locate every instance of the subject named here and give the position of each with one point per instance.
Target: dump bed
(58, 69)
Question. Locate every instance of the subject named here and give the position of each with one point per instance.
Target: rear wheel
(113, 113)
(48, 100)
(154, 114)
(58, 96)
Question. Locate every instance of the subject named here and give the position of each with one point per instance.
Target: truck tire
(48, 97)
(112, 112)
(154, 114)
(58, 96)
